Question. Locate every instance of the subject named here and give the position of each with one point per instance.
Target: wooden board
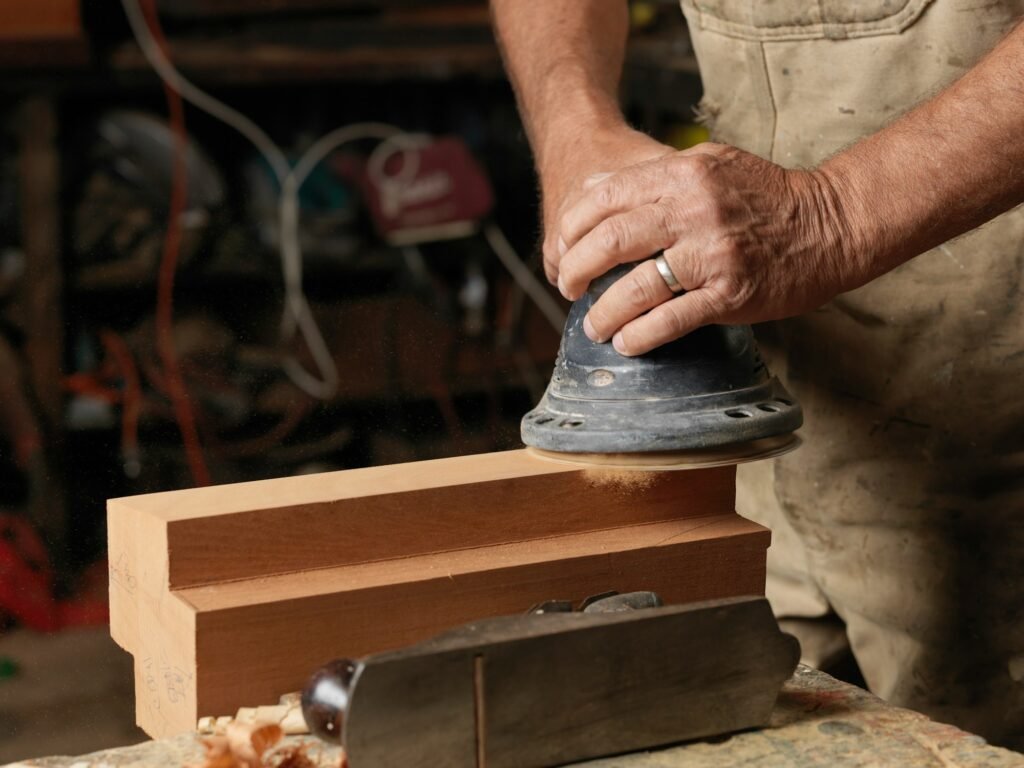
(230, 596)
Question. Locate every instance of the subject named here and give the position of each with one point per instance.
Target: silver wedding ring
(667, 274)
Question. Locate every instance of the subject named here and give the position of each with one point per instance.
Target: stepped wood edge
(231, 595)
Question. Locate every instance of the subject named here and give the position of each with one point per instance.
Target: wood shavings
(213, 725)
(294, 756)
(287, 716)
(248, 739)
(255, 745)
(245, 715)
(241, 746)
(259, 740)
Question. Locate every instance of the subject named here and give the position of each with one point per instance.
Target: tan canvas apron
(904, 511)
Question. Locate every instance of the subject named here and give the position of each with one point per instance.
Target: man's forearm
(943, 169)
(751, 241)
(565, 60)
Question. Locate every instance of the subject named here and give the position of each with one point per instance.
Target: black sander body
(703, 400)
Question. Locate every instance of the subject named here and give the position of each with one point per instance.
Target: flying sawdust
(620, 479)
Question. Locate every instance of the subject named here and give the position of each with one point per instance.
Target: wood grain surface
(231, 595)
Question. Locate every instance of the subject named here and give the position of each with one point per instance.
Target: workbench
(818, 721)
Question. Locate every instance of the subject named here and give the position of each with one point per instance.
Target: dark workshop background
(439, 350)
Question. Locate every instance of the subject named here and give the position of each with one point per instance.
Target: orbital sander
(706, 399)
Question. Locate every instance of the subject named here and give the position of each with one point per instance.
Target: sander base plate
(662, 461)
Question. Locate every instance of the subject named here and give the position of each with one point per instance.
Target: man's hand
(747, 239)
(750, 240)
(564, 176)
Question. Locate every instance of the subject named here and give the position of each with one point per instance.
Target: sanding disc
(661, 461)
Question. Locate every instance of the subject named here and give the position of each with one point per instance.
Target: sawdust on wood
(620, 479)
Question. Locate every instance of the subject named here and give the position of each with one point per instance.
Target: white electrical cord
(155, 56)
(524, 276)
(296, 313)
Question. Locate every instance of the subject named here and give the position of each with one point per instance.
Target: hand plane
(557, 685)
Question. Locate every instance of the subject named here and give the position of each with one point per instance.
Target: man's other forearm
(565, 61)
(943, 169)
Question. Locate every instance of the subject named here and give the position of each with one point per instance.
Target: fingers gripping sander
(702, 400)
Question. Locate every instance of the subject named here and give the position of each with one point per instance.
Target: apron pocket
(804, 19)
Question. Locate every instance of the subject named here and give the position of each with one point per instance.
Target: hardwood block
(230, 596)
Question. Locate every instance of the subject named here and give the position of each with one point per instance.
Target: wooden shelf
(245, 61)
(228, 62)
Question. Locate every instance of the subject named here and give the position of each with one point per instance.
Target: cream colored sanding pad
(663, 461)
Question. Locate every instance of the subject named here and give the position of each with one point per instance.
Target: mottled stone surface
(176, 752)
(818, 721)
(71, 692)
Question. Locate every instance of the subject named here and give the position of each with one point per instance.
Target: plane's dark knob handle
(326, 698)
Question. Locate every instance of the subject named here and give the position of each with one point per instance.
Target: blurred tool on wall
(429, 203)
(233, 309)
